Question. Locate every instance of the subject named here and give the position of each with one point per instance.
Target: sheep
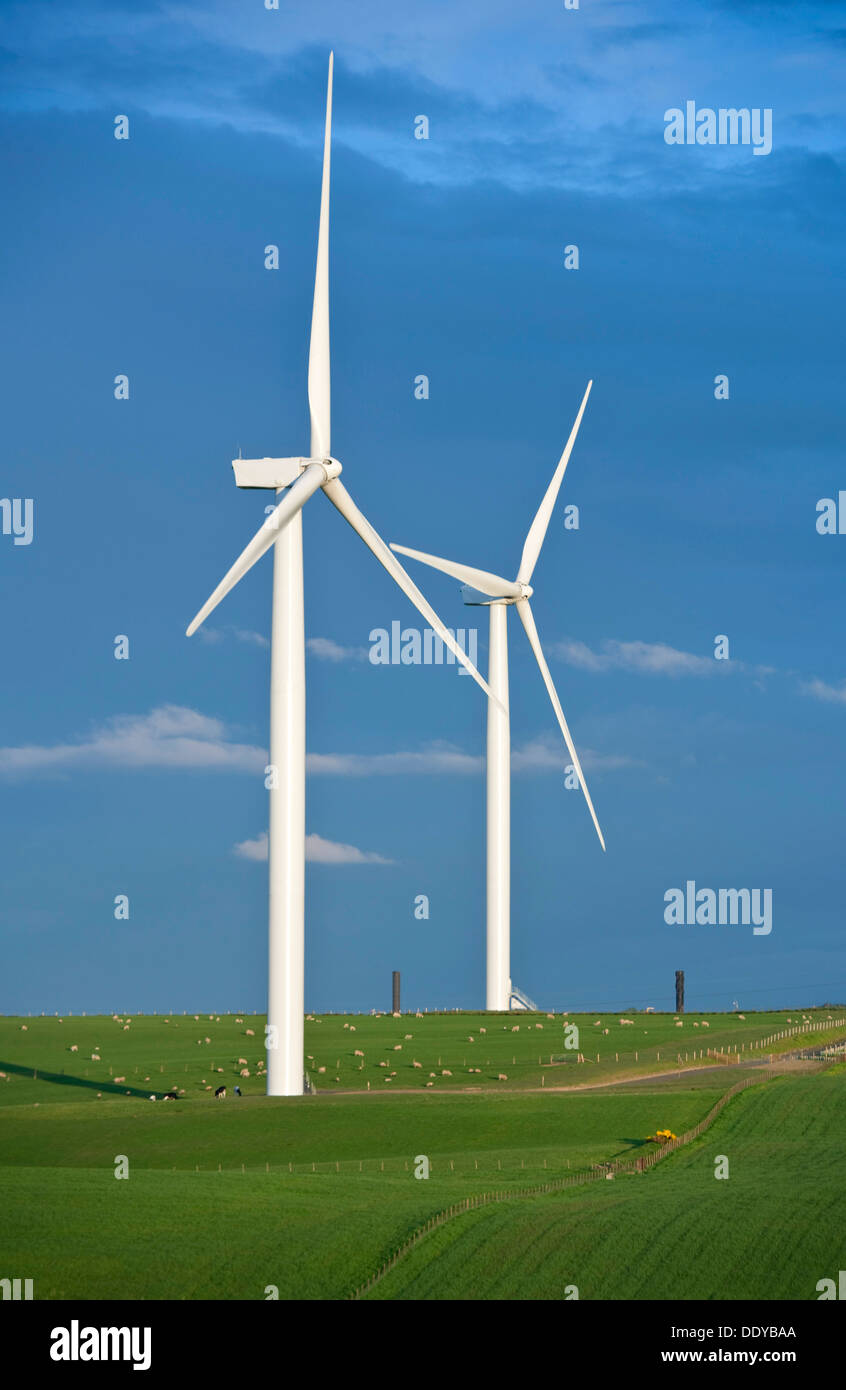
(251, 1033)
(208, 1040)
(245, 1071)
(679, 1024)
(321, 1069)
(417, 1064)
(606, 1031)
(539, 1025)
(743, 1016)
(358, 1053)
(396, 1014)
(408, 1037)
(471, 1038)
(397, 1047)
(446, 1073)
(118, 1079)
(346, 1025)
(383, 1064)
(705, 1025)
(242, 1061)
(126, 1028)
(552, 1016)
(95, 1057)
(24, 1027)
(696, 1025)
(502, 1076)
(418, 1014)
(74, 1048)
(483, 1030)
(431, 1073)
(430, 1083)
(352, 1027)
(516, 1028)
(239, 1020)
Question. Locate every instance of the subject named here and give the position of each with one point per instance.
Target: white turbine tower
(297, 479)
(498, 595)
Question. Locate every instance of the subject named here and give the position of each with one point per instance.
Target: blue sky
(145, 257)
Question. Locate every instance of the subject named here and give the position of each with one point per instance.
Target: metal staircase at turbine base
(520, 1002)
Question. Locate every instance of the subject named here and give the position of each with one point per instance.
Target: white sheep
(483, 1030)
(502, 1076)
(251, 1033)
(242, 1061)
(446, 1073)
(417, 1064)
(245, 1071)
(408, 1037)
(705, 1025)
(516, 1028)
(74, 1048)
(679, 1025)
(358, 1053)
(397, 1047)
(119, 1079)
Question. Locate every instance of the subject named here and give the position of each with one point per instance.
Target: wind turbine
(297, 479)
(498, 595)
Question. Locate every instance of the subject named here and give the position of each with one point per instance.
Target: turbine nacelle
(478, 598)
(278, 473)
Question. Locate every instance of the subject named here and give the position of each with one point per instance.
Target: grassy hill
(224, 1199)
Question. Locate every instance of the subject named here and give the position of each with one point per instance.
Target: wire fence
(600, 1171)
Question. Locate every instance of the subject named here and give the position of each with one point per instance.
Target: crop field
(251, 1196)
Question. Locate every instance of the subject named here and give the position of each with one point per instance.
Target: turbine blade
(528, 622)
(296, 497)
(319, 381)
(338, 495)
(538, 528)
(480, 579)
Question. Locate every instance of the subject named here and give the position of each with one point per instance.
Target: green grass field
(310, 1195)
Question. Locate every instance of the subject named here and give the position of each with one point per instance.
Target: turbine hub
(527, 590)
(330, 466)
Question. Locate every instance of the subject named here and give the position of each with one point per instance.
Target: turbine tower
(296, 480)
(498, 595)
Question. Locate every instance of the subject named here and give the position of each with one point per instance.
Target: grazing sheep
(118, 1079)
(679, 1025)
(483, 1030)
(397, 1047)
(383, 1064)
(346, 1025)
(220, 1093)
(321, 1069)
(408, 1037)
(743, 1016)
(705, 1025)
(539, 1025)
(251, 1033)
(126, 1028)
(245, 1071)
(358, 1053)
(352, 1027)
(239, 1020)
(446, 1073)
(208, 1040)
(516, 1028)
(74, 1048)
(417, 1064)
(94, 1057)
(502, 1076)
(606, 1031)
(430, 1083)
(431, 1073)
(696, 1025)
(153, 1097)
(24, 1027)
(552, 1016)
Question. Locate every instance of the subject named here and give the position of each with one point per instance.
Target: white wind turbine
(298, 479)
(498, 595)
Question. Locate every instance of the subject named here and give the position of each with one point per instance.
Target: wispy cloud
(324, 649)
(650, 658)
(174, 737)
(821, 690)
(168, 737)
(318, 851)
(214, 635)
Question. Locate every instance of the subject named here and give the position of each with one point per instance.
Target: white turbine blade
(338, 495)
(296, 497)
(528, 622)
(318, 357)
(538, 528)
(479, 579)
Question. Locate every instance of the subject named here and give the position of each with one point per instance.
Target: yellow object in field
(661, 1136)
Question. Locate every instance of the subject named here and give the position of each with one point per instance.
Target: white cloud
(327, 650)
(649, 658)
(212, 635)
(820, 690)
(317, 851)
(174, 737)
(168, 737)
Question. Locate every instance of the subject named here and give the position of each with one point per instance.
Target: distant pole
(679, 991)
(396, 991)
